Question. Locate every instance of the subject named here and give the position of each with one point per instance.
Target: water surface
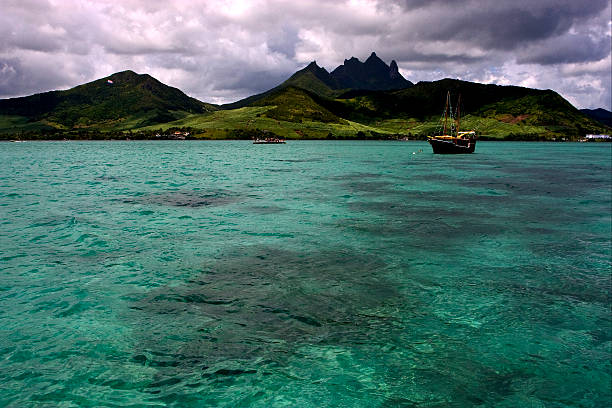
(354, 274)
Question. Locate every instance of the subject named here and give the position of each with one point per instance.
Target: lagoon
(316, 273)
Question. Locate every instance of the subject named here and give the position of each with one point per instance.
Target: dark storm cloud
(15, 77)
(224, 50)
(567, 49)
(499, 25)
(251, 82)
(433, 57)
(285, 42)
(506, 29)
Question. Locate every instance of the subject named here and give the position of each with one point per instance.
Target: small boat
(452, 141)
(464, 142)
(269, 140)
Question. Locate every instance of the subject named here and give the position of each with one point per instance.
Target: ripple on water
(186, 198)
(361, 275)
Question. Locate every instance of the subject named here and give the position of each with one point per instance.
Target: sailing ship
(452, 141)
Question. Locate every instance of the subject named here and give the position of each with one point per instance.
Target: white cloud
(223, 50)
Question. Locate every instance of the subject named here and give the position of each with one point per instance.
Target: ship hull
(453, 146)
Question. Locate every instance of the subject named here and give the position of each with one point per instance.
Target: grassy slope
(496, 112)
(293, 104)
(302, 107)
(313, 84)
(303, 79)
(17, 123)
(131, 101)
(237, 122)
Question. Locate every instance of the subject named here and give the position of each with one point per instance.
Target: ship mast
(458, 113)
(446, 111)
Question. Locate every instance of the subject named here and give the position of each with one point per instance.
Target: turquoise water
(336, 274)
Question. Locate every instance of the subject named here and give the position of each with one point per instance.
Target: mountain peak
(373, 74)
(394, 70)
(128, 73)
(374, 61)
(117, 101)
(300, 78)
(373, 57)
(316, 70)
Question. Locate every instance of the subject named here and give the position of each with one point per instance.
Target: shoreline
(293, 140)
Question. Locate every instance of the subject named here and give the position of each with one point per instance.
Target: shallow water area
(335, 273)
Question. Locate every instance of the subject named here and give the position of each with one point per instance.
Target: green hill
(601, 115)
(373, 74)
(361, 93)
(514, 109)
(363, 100)
(498, 112)
(124, 100)
(312, 78)
(294, 104)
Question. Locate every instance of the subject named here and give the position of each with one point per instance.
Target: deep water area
(310, 274)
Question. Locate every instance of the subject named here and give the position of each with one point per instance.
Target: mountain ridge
(121, 97)
(601, 115)
(373, 74)
(356, 99)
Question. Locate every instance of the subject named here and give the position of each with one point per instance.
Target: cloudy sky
(223, 50)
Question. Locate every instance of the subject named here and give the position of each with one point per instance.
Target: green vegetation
(255, 121)
(130, 101)
(296, 105)
(600, 115)
(307, 106)
(308, 80)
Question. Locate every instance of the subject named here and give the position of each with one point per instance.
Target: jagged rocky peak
(372, 74)
(314, 67)
(394, 70)
(352, 61)
(373, 63)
